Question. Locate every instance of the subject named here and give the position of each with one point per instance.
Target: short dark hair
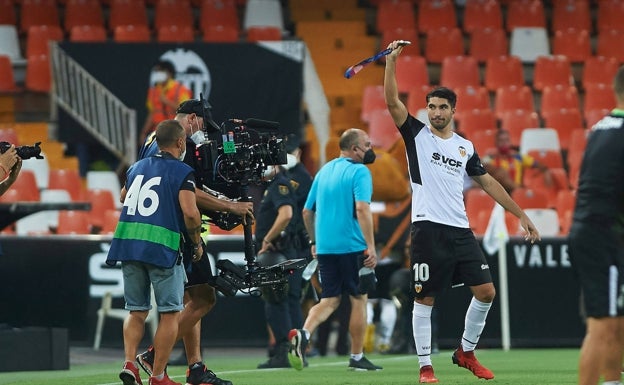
(168, 132)
(444, 93)
(167, 66)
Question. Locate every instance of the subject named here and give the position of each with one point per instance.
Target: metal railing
(91, 104)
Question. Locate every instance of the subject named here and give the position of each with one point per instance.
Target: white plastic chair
(9, 45)
(528, 43)
(107, 310)
(106, 180)
(43, 221)
(263, 13)
(539, 139)
(546, 221)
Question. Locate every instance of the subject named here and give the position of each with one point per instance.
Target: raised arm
(397, 109)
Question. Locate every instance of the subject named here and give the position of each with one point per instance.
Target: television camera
(24, 152)
(231, 157)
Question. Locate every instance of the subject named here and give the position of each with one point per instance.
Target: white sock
(612, 383)
(421, 323)
(358, 356)
(387, 320)
(474, 323)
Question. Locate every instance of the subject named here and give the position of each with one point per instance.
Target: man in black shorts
(444, 251)
(596, 244)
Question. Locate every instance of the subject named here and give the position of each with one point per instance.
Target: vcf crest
(418, 287)
(462, 151)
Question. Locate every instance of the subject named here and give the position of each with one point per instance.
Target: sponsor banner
(59, 281)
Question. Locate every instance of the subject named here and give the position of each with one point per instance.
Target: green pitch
(521, 366)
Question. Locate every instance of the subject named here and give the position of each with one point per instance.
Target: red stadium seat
(173, 12)
(512, 98)
(411, 72)
(127, 12)
(611, 44)
(434, 15)
(458, 71)
(38, 76)
(131, 34)
(476, 120)
(175, 34)
(516, 120)
(572, 43)
(599, 69)
(372, 99)
(260, 33)
(382, 131)
(503, 71)
(571, 14)
(564, 121)
(26, 187)
(7, 78)
(69, 180)
(556, 97)
(525, 13)
(530, 199)
(217, 12)
(81, 13)
(72, 222)
(440, 43)
(7, 13)
(480, 15)
(550, 71)
(393, 14)
(599, 97)
(87, 33)
(39, 37)
(610, 15)
(38, 12)
(220, 34)
(488, 43)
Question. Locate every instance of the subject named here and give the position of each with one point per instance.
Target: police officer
(276, 222)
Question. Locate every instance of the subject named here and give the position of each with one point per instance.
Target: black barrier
(58, 282)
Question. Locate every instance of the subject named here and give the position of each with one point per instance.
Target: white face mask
(182, 155)
(269, 173)
(158, 77)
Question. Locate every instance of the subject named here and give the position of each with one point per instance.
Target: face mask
(182, 155)
(198, 137)
(504, 150)
(291, 161)
(369, 156)
(158, 77)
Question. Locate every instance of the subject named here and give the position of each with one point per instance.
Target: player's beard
(439, 124)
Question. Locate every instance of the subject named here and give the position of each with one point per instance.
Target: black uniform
(283, 313)
(596, 237)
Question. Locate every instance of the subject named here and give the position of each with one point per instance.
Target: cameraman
(10, 166)
(199, 295)
(277, 220)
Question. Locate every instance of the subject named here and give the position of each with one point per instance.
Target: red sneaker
(427, 376)
(165, 381)
(130, 374)
(469, 361)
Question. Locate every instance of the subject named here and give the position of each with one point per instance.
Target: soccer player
(444, 250)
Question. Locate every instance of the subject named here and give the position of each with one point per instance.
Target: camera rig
(232, 157)
(24, 152)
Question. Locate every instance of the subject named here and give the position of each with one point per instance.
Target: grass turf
(521, 366)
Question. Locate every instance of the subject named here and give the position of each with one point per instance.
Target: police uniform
(596, 238)
(283, 312)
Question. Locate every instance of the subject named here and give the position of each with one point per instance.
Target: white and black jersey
(437, 168)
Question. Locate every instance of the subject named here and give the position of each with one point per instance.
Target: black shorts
(597, 257)
(443, 256)
(200, 272)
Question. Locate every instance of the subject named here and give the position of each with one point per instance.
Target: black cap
(191, 106)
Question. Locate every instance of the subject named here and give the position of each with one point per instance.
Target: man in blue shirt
(339, 200)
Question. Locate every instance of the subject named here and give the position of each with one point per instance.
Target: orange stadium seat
(38, 12)
(571, 14)
(26, 185)
(525, 13)
(573, 44)
(471, 98)
(393, 14)
(69, 180)
(558, 96)
(214, 12)
(101, 201)
(131, 34)
(480, 15)
(503, 71)
(220, 33)
(488, 43)
(372, 99)
(599, 97)
(38, 76)
(458, 71)
(264, 32)
(433, 15)
(564, 121)
(7, 13)
(7, 78)
(411, 72)
(38, 38)
(611, 44)
(609, 16)
(440, 43)
(73, 222)
(127, 12)
(476, 120)
(83, 12)
(401, 33)
(87, 33)
(483, 141)
(175, 34)
(550, 71)
(599, 69)
(516, 120)
(173, 12)
(513, 98)
(382, 131)
(530, 199)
